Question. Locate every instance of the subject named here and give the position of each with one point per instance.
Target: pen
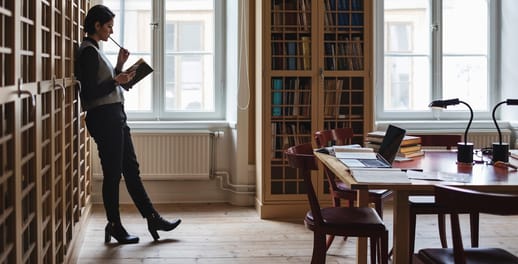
(116, 42)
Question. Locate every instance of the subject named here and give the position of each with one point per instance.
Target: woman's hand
(124, 77)
(122, 58)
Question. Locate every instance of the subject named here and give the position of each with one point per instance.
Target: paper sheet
(380, 176)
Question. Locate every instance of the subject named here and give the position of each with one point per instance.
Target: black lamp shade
(444, 103)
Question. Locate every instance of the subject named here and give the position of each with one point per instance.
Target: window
(434, 49)
(187, 78)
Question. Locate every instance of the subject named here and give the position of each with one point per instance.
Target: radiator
(175, 156)
(486, 139)
(185, 155)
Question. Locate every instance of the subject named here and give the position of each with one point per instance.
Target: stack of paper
(390, 175)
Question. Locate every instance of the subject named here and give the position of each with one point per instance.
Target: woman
(102, 98)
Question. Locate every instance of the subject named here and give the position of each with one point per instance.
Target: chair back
(301, 157)
(455, 200)
(336, 136)
(434, 140)
(458, 200)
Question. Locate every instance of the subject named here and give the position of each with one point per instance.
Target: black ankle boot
(155, 222)
(117, 231)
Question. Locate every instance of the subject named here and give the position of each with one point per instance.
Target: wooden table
(480, 176)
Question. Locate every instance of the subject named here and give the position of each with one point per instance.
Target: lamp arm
(496, 124)
(469, 123)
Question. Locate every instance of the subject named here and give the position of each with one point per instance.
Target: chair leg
(378, 205)
(329, 241)
(384, 248)
(441, 219)
(319, 248)
(336, 202)
(374, 248)
(474, 226)
(411, 231)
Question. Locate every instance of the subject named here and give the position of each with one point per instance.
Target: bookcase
(314, 73)
(44, 147)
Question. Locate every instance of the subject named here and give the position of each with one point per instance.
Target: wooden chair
(341, 221)
(426, 204)
(453, 201)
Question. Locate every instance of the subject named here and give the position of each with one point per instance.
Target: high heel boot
(117, 231)
(155, 222)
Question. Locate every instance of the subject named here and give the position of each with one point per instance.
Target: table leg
(400, 227)
(361, 247)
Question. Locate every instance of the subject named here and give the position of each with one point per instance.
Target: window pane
(407, 55)
(465, 26)
(137, 38)
(189, 56)
(407, 83)
(465, 52)
(465, 77)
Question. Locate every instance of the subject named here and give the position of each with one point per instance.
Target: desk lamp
(464, 149)
(501, 150)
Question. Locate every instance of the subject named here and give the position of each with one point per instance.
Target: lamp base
(500, 152)
(465, 152)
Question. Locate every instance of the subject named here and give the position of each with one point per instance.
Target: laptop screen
(391, 142)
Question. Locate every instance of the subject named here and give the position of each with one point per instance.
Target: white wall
(509, 61)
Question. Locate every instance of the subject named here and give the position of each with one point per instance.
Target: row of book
(344, 55)
(291, 55)
(298, 13)
(342, 13)
(286, 134)
(296, 55)
(285, 15)
(291, 97)
(341, 98)
(410, 146)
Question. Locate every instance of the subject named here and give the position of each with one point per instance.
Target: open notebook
(383, 159)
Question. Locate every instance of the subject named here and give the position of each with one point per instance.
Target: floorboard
(220, 233)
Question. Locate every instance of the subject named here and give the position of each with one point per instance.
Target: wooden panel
(7, 183)
(7, 43)
(44, 147)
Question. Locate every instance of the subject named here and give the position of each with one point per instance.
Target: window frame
(158, 111)
(456, 112)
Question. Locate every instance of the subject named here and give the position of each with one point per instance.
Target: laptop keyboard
(374, 163)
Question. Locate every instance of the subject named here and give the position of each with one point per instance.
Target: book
(277, 97)
(141, 68)
(291, 48)
(411, 154)
(410, 148)
(377, 137)
(306, 52)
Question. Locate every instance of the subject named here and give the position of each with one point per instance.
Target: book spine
(277, 97)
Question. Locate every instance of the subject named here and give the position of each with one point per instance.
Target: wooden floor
(219, 233)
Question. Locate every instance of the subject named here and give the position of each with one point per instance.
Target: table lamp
(464, 149)
(501, 150)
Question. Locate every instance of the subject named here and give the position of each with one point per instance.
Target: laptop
(386, 153)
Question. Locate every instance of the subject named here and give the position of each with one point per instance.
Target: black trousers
(107, 125)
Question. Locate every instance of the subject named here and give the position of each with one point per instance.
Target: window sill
(167, 126)
(443, 125)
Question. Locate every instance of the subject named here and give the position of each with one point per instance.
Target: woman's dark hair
(98, 13)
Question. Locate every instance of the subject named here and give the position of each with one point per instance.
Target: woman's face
(105, 30)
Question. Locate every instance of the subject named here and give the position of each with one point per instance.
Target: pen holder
(465, 152)
(500, 152)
